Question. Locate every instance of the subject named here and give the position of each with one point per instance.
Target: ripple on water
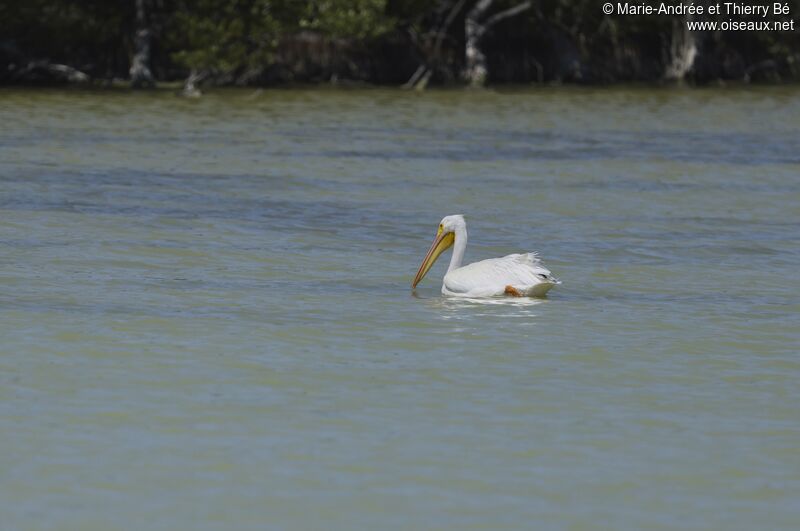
(206, 316)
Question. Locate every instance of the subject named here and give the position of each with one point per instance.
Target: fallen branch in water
(190, 88)
(39, 70)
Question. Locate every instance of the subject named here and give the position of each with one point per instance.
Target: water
(206, 318)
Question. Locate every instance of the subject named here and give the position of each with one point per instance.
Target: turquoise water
(206, 319)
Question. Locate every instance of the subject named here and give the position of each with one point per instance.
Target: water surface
(206, 320)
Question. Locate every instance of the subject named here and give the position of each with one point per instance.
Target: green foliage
(232, 37)
(354, 19)
(226, 35)
(222, 36)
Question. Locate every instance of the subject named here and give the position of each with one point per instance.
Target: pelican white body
(517, 274)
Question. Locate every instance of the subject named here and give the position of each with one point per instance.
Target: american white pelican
(520, 275)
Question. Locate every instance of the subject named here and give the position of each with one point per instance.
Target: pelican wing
(524, 272)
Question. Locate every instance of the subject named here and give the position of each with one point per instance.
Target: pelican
(519, 275)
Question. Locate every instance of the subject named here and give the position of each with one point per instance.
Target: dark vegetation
(396, 42)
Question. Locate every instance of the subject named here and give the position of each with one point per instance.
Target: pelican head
(445, 237)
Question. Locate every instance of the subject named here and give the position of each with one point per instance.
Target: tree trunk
(683, 52)
(476, 70)
(141, 76)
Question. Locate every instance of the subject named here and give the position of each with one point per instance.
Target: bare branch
(414, 35)
(497, 17)
(58, 71)
(479, 9)
(446, 25)
(431, 54)
(411, 83)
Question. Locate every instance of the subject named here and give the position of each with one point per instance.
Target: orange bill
(442, 242)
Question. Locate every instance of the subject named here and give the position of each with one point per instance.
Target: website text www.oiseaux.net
(733, 9)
